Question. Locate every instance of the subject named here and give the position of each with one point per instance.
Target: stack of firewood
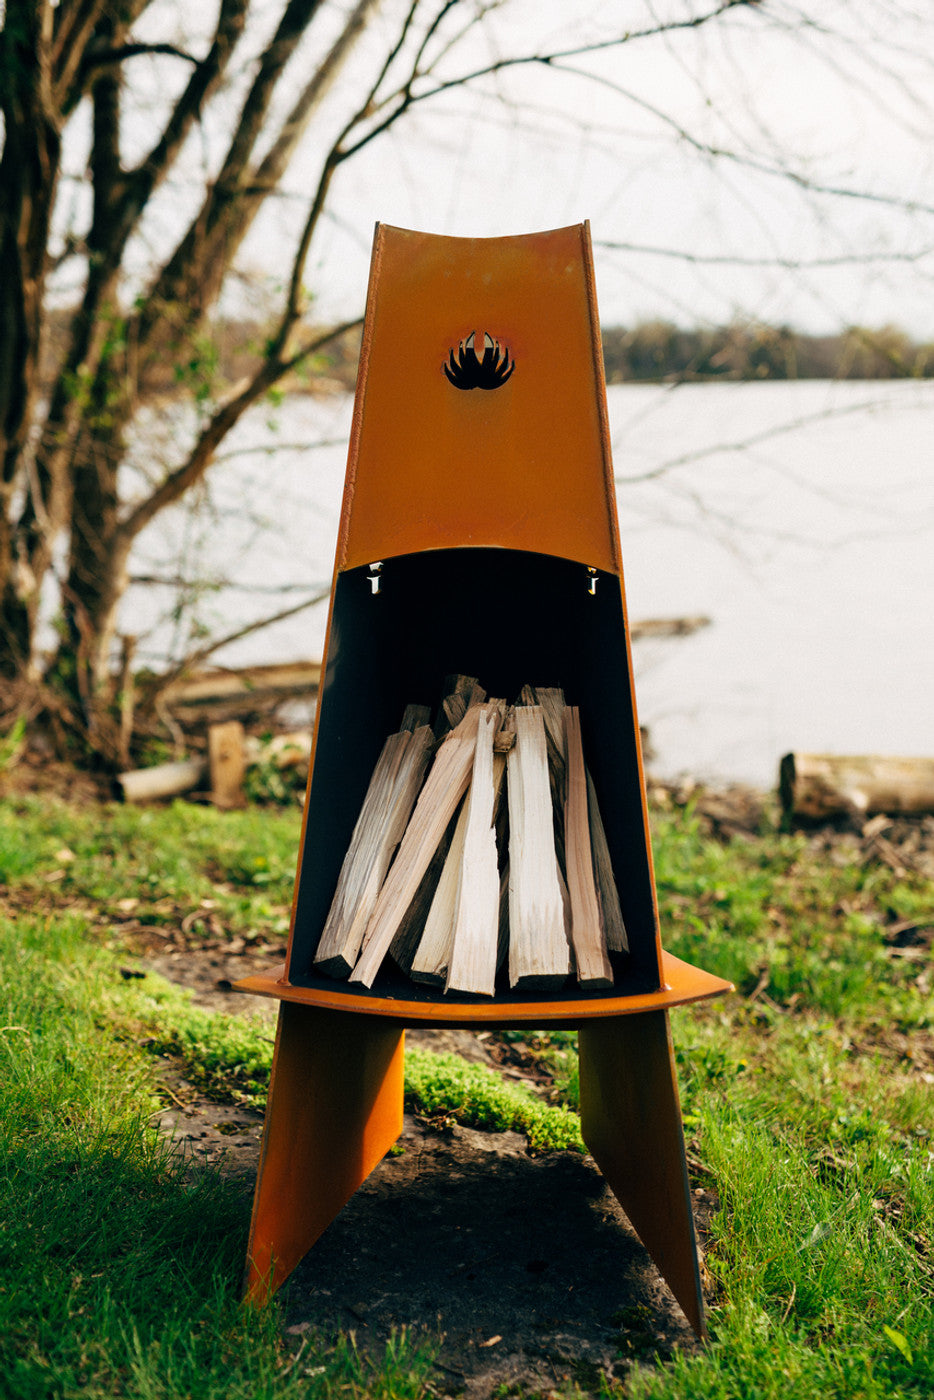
(479, 843)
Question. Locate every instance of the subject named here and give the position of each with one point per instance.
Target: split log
(447, 781)
(433, 955)
(387, 806)
(502, 950)
(538, 948)
(614, 928)
(820, 787)
(432, 959)
(587, 937)
(475, 937)
(408, 936)
(552, 701)
(460, 692)
(415, 716)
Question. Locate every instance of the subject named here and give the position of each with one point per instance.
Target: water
(798, 517)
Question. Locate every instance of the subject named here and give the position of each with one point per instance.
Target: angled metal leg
(631, 1122)
(334, 1110)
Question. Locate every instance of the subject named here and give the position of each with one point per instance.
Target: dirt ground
(523, 1269)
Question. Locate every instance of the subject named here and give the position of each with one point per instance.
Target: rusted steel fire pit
(478, 535)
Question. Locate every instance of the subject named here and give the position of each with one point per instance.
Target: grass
(807, 1101)
(118, 1266)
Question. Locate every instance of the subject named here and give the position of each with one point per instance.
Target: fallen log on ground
(174, 779)
(226, 694)
(819, 787)
(162, 780)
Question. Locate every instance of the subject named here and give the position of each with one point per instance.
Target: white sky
(846, 112)
(836, 91)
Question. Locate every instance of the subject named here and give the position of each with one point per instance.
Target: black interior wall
(506, 617)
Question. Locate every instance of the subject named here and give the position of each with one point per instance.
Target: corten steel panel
(488, 507)
(631, 1121)
(524, 466)
(506, 616)
(681, 985)
(335, 1109)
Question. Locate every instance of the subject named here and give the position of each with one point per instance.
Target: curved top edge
(578, 230)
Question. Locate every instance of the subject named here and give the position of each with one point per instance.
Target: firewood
(460, 692)
(613, 927)
(415, 716)
(551, 700)
(587, 937)
(408, 935)
(444, 787)
(431, 961)
(475, 937)
(502, 947)
(538, 947)
(553, 706)
(386, 808)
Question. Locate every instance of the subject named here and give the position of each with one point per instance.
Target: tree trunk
(28, 182)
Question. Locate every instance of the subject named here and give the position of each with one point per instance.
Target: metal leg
(631, 1122)
(334, 1110)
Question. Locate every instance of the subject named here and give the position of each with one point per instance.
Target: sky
(680, 232)
(717, 164)
(775, 165)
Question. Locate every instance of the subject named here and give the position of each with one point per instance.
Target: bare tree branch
(860, 259)
(106, 58)
(202, 454)
(73, 26)
(715, 152)
(793, 425)
(404, 98)
(200, 654)
(189, 279)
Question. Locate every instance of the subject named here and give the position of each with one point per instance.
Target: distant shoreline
(649, 352)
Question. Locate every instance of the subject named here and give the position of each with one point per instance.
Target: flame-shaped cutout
(488, 369)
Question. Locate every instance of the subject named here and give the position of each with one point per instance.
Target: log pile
(479, 849)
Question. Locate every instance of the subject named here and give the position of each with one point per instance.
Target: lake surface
(799, 517)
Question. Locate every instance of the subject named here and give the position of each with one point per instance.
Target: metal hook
(374, 576)
(593, 581)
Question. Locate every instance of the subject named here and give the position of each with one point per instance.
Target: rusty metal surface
(334, 1110)
(631, 1122)
(479, 459)
(525, 465)
(682, 984)
(522, 469)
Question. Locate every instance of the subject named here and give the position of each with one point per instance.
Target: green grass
(229, 1059)
(119, 1267)
(161, 857)
(808, 1101)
